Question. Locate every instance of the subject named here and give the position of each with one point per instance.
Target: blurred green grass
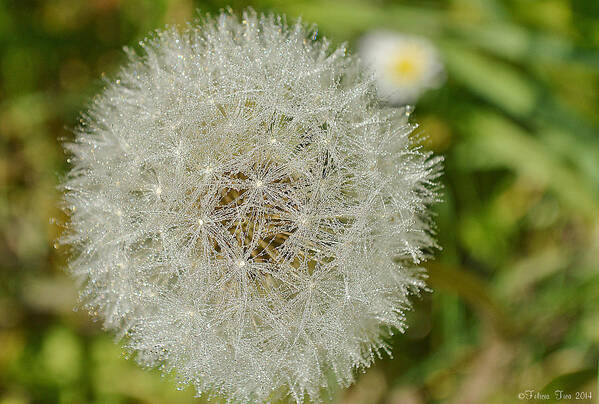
(517, 282)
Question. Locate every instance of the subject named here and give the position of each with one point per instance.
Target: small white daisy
(404, 66)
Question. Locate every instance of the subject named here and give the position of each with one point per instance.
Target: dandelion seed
(293, 284)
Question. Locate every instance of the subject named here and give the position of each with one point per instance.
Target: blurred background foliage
(516, 286)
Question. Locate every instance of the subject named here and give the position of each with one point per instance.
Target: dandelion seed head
(244, 213)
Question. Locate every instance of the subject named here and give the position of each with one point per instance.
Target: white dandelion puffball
(404, 66)
(243, 212)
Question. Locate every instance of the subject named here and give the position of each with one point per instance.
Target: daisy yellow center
(406, 66)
